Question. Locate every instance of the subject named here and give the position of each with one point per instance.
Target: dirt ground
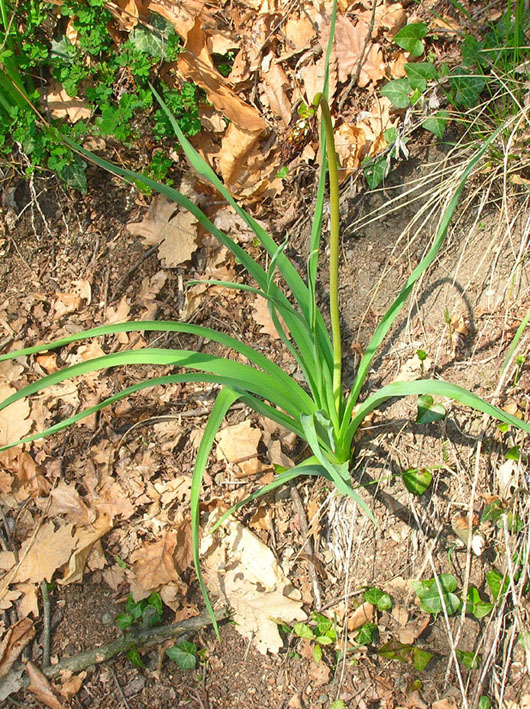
(52, 239)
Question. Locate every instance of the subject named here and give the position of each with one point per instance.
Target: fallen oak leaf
(174, 231)
(41, 688)
(195, 64)
(242, 570)
(13, 642)
(44, 552)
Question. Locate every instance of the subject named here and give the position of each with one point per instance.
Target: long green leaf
(260, 406)
(310, 466)
(399, 302)
(253, 380)
(433, 387)
(338, 471)
(515, 341)
(224, 401)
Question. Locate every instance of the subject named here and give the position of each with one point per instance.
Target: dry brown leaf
(61, 105)
(114, 577)
(129, 15)
(181, 15)
(263, 317)
(313, 78)
(173, 230)
(319, 674)
(65, 500)
(154, 566)
(7, 597)
(299, 32)
(361, 615)
(48, 362)
(14, 421)
(44, 553)
(237, 442)
(351, 145)
(240, 569)
(275, 82)
(13, 642)
(41, 688)
(444, 704)
(350, 41)
(29, 603)
(195, 64)
(84, 538)
(78, 296)
(232, 160)
(71, 684)
(412, 631)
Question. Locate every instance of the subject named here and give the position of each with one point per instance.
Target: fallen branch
(139, 639)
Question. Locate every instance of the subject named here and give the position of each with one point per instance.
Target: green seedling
(422, 356)
(377, 598)
(417, 480)
(437, 594)
(323, 632)
(519, 362)
(475, 605)
(406, 653)
(428, 410)
(185, 655)
(321, 412)
(146, 613)
(367, 634)
(469, 659)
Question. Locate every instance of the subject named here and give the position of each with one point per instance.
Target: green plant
(321, 413)
(110, 81)
(492, 68)
(406, 653)
(440, 593)
(323, 631)
(185, 655)
(146, 613)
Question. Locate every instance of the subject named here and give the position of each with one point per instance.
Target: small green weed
(145, 613)
(186, 654)
(437, 594)
(490, 77)
(110, 81)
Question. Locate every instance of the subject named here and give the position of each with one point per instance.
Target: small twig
(46, 625)
(144, 638)
(308, 545)
(120, 690)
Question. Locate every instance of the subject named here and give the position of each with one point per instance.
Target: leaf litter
(60, 536)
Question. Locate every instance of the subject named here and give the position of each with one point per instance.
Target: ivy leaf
(398, 92)
(420, 74)
(420, 658)
(497, 584)
(184, 655)
(416, 480)
(134, 657)
(366, 634)
(375, 172)
(475, 605)
(466, 88)
(302, 630)
(317, 653)
(409, 38)
(428, 411)
(430, 599)
(469, 659)
(436, 124)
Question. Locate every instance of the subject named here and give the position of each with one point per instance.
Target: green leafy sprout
(320, 412)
